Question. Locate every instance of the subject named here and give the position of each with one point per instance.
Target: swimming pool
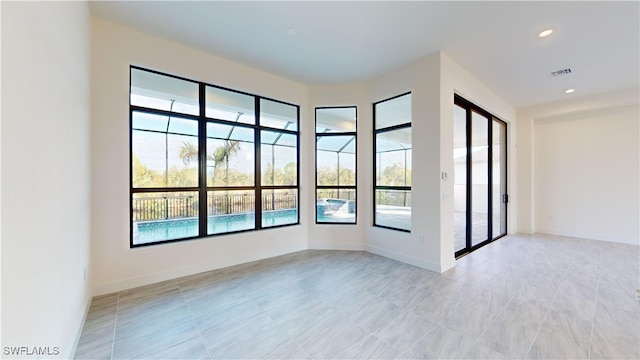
(154, 231)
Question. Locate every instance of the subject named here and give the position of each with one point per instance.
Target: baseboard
(405, 258)
(592, 236)
(327, 245)
(131, 283)
(74, 348)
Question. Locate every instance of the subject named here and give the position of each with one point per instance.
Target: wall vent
(561, 72)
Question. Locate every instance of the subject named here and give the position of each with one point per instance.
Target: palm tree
(222, 155)
(189, 152)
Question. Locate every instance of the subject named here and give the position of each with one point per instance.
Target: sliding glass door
(480, 196)
(460, 177)
(499, 196)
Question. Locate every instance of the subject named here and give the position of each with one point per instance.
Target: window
(207, 160)
(336, 165)
(392, 163)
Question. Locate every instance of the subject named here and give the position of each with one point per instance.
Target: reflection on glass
(164, 151)
(230, 155)
(163, 92)
(393, 112)
(393, 209)
(229, 211)
(336, 205)
(480, 176)
(278, 158)
(278, 115)
(279, 207)
(460, 177)
(229, 105)
(393, 153)
(499, 187)
(330, 120)
(164, 216)
(393, 158)
(336, 160)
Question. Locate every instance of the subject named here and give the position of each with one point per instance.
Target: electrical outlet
(84, 274)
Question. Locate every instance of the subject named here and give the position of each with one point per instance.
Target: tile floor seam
(593, 319)
(544, 318)
(193, 320)
(493, 320)
(370, 333)
(511, 299)
(277, 326)
(115, 327)
(414, 343)
(566, 269)
(295, 341)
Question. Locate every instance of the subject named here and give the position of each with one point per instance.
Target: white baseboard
(131, 283)
(327, 245)
(591, 236)
(74, 348)
(405, 258)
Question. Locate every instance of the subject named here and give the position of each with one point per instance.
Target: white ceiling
(340, 42)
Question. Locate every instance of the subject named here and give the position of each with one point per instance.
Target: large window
(392, 170)
(336, 165)
(207, 160)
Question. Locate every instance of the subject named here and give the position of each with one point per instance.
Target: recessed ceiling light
(291, 31)
(545, 33)
(569, 91)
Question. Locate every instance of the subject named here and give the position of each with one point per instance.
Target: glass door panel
(499, 179)
(479, 178)
(460, 177)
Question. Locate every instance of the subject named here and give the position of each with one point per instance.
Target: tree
(328, 175)
(395, 175)
(290, 175)
(188, 152)
(143, 176)
(277, 176)
(221, 155)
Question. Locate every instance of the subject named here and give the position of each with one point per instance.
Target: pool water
(154, 231)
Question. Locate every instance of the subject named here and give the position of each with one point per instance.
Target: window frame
(376, 187)
(203, 187)
(337, 187)
(470, 108)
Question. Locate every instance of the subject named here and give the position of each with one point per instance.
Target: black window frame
(337, 187)
(471, 108)
(377, 187)
(202, 189)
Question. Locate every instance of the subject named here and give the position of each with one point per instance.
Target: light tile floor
(522, 297)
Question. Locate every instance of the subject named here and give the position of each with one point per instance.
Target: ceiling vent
(562, 72)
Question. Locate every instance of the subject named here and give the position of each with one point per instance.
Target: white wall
(45, 173)
(586, 175)
(421, 247)
(433, 82)
(115, 265)
(343, 237)
(457, 80)
(609, 215)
